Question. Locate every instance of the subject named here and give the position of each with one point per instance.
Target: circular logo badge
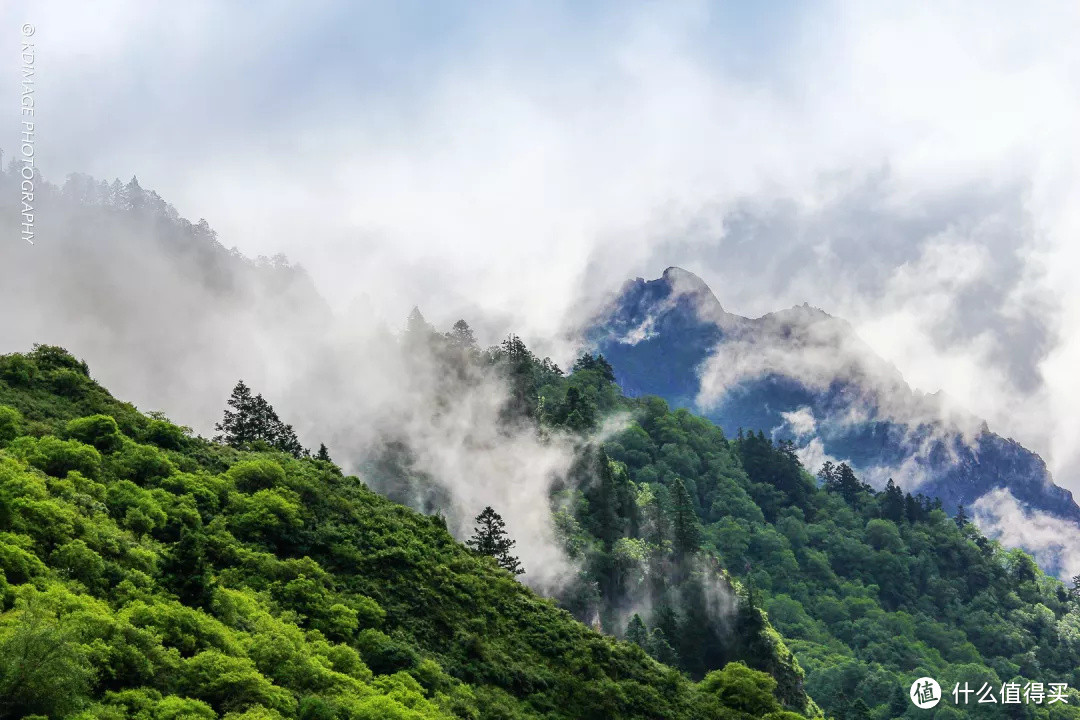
(925, 693)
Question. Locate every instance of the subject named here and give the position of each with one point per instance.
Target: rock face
(803, 374)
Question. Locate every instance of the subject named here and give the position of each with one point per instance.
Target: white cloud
(1054, 542)
(521, 158)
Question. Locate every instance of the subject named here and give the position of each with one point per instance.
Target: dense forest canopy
(681, 531)
(155, 573)
(147, 573)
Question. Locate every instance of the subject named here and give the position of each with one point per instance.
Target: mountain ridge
(750, 372)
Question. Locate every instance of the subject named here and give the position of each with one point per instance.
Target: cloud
(800, 422)
(1055, 543)
(509, 161)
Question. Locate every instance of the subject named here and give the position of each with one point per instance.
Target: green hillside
(146, 573)
(870, 589)
(151, 574)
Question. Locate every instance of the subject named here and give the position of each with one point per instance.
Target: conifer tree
(461, 336)
(490, 538)
(323, 453)
(892, 502)
(237, 428)
(253, 419)
(684, 520)
(661, 649)
(636, 632)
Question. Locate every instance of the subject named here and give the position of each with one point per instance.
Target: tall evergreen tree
(490, 538)
(323, 453)
(684, 521)
(461, 336)
(238, 426)
(252, 419)
(603, 503)
(892, 502)
(636, 632)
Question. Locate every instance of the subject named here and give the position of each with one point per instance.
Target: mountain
(803, 374)
(147, 573)
(150, 573)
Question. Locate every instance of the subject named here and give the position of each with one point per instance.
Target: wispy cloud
(1055, 543)
(510, 160)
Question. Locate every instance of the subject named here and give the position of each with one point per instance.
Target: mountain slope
(871, 589)
(146, 573)
(806, 375)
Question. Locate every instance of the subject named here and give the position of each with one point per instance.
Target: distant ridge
(672, 337)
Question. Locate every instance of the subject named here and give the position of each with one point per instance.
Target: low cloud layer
(910, 169)
(1055, 543)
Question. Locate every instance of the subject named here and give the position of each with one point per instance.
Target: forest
(147, 573)
(151, 573)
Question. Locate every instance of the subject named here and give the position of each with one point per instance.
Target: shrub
(17, 370)
(42, 670)
(255, 475)
(383, 654)
(54, 357)
(142, 463)
(100, 431)
(10, 424)
(80, 562)
(57, 457)
(739, 687)
(165, 435)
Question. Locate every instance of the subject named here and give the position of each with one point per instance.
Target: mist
(169, 319)
(905, 170)
(908, 171)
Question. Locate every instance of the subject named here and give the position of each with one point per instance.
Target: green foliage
(164, 434)
(43, 669)
(100, 431)
(254, 475)
(489, 538)
(183, 577)
(11, 422)
(261, 585)
(252, 421)
(57, 457)
(739, 687)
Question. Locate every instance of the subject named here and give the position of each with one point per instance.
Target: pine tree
(253, 419)
(661, 649)
(892, 502)
(416, 324)
(461, 336)
(684, 520)
(603, 503)
(858, 710)
(323, 453)
(605, 368)
(490, 538)
(961, 518)
(636, 632)
(237, 428)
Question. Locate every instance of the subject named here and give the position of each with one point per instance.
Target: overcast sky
(913, 169)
